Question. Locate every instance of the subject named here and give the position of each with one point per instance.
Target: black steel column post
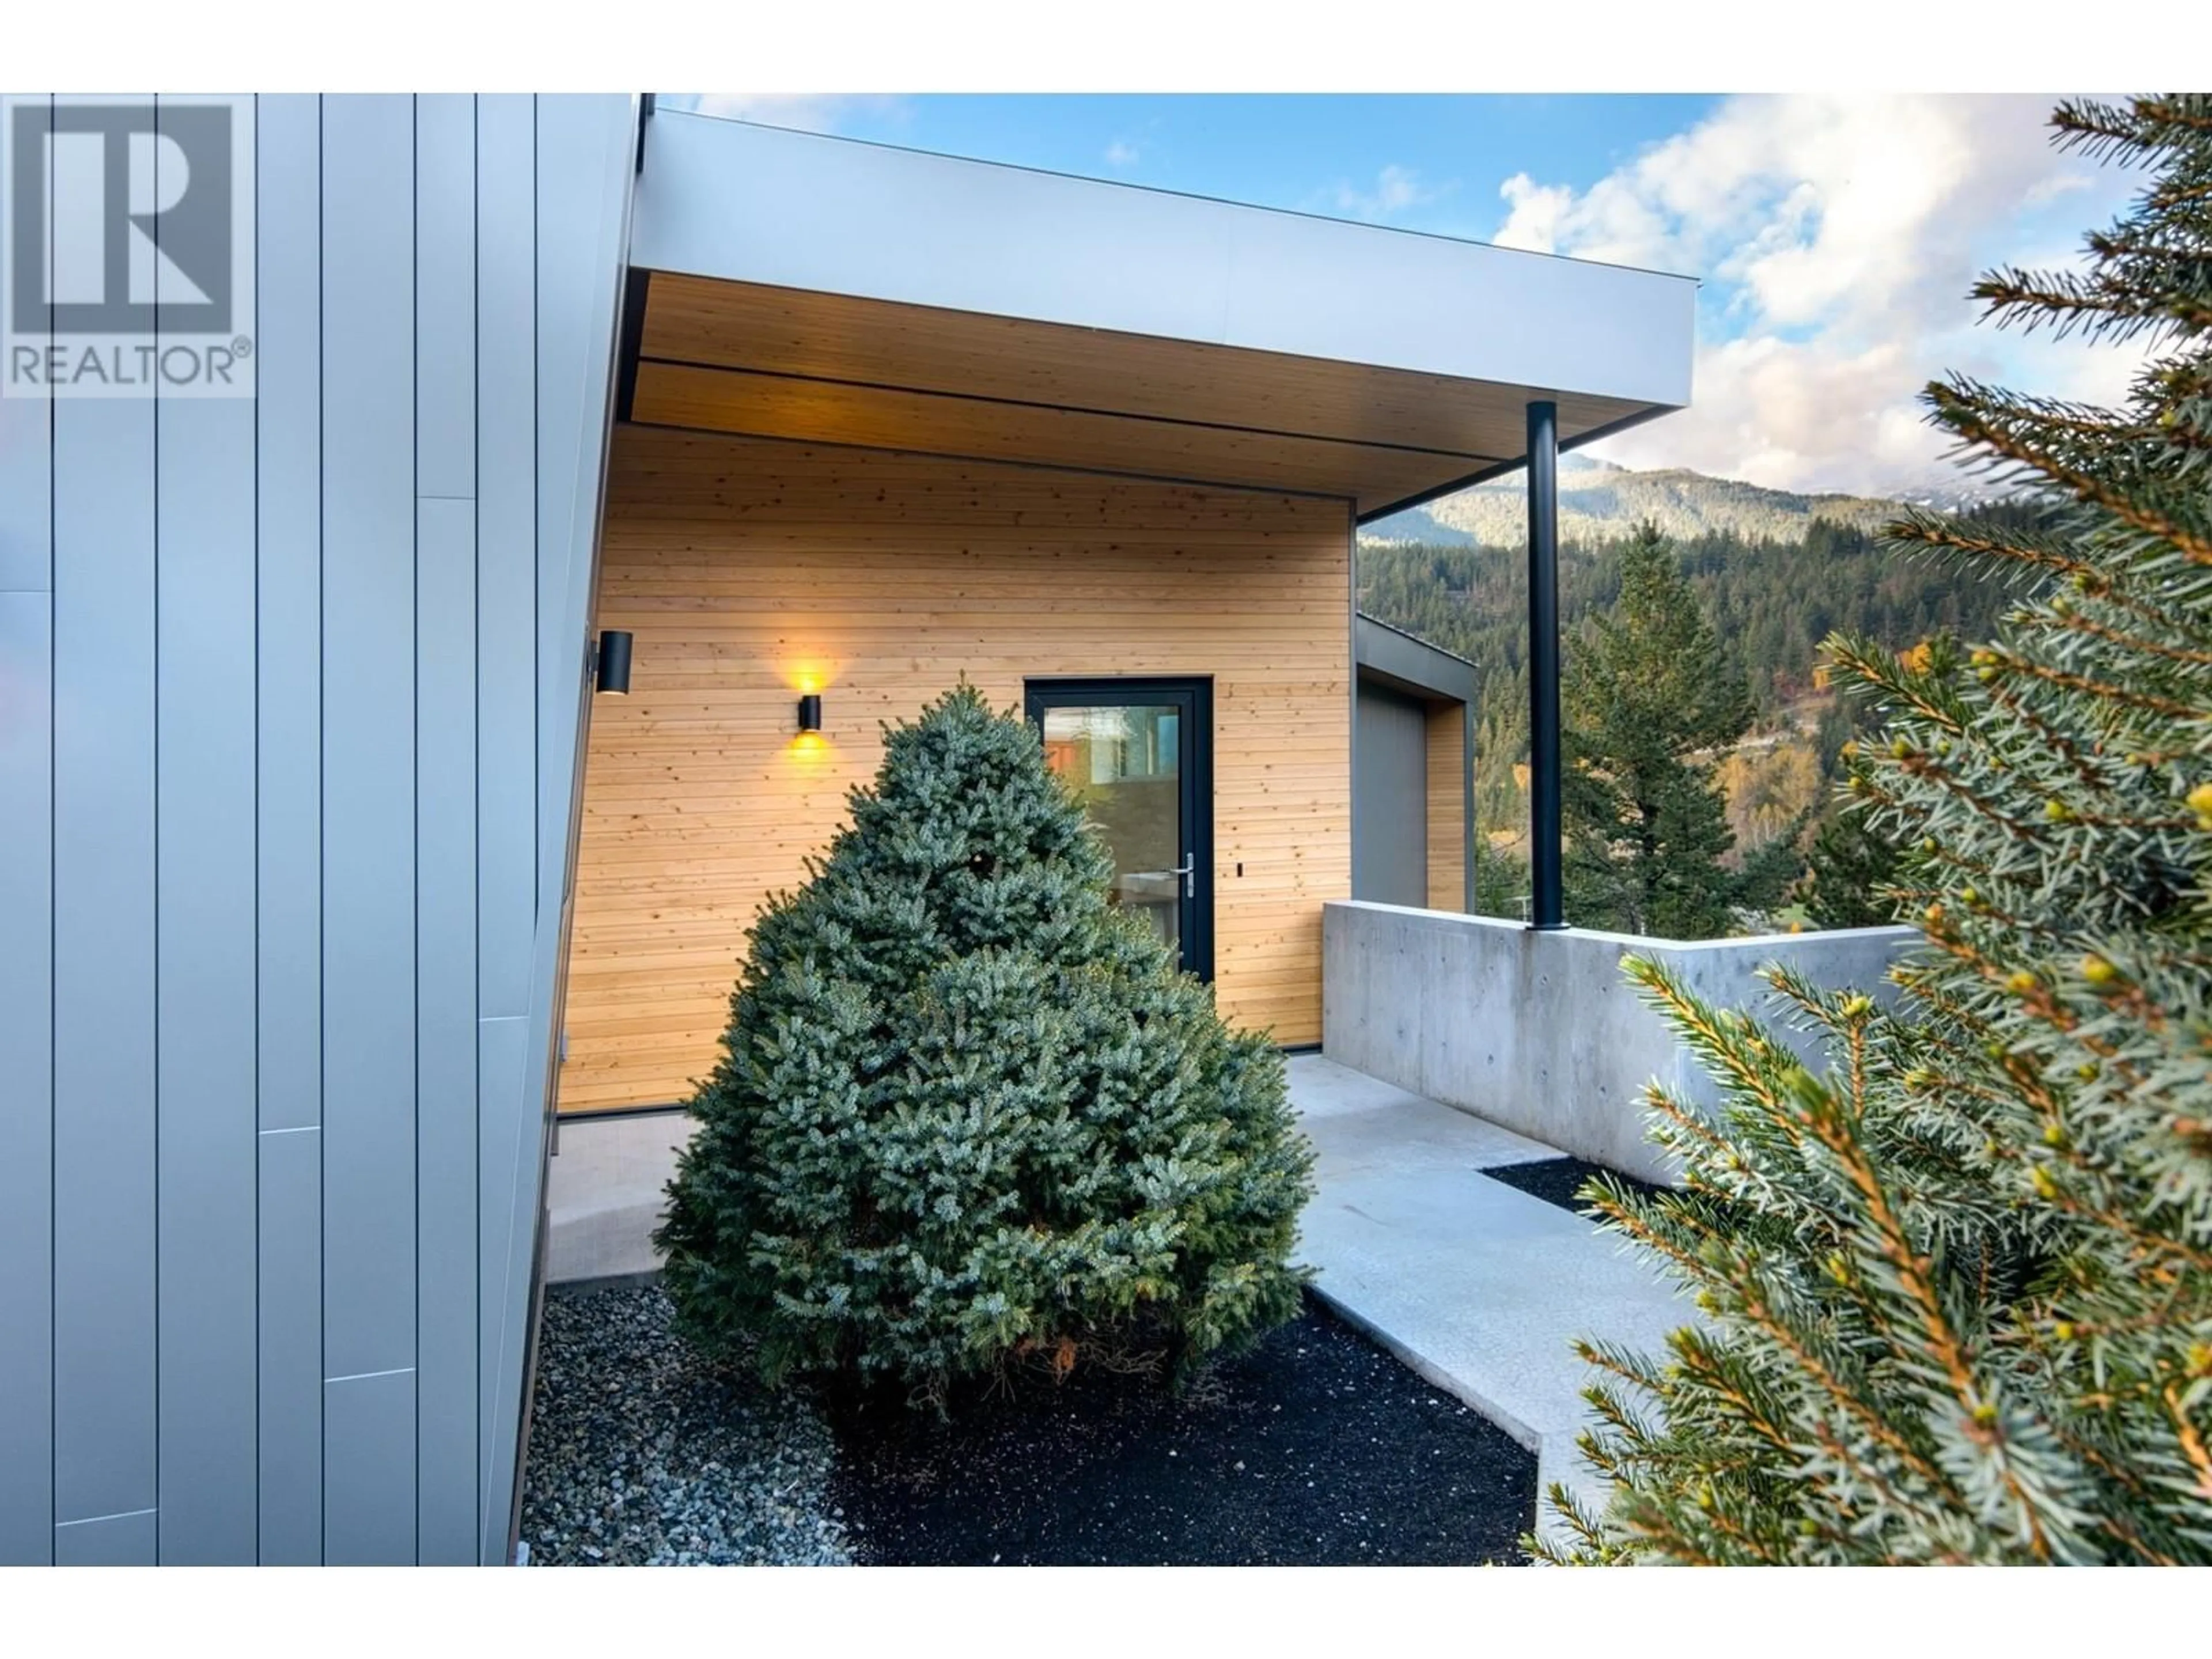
(1548, 899)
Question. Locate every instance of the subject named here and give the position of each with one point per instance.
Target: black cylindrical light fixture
(809, 712)
(614, 661)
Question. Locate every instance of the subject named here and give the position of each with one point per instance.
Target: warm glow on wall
(808, 676)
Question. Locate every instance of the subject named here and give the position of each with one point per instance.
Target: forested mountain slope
(1772, 599)
(1599, 501)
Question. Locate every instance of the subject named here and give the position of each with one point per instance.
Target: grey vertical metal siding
(506, 708)
(104, 918)
(206, 1038)
(289, 1283)
(369, 657)
(445, 786)
(109, 1540)
(289, 825)
(578, 300)
(290, 714)
(26, 1103)
(27, 1352)
(446, 926)
(368, 1474)
(501, 1103)
(1390, 800)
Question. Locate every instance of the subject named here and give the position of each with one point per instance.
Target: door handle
(1189, 871)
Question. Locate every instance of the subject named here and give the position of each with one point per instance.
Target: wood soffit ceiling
(829, 369)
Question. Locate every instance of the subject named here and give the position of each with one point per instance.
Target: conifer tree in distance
(1646, 712)
(968, 1113)
(1957, 1285)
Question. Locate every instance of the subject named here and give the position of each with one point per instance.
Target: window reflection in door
(1125, 763)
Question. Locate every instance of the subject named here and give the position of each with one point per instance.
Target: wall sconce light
(809, 712)
(613, 672)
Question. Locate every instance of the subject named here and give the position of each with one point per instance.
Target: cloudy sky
(1836, 235)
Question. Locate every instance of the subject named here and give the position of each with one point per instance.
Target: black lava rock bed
(1558, 1181)
(1315, 1449)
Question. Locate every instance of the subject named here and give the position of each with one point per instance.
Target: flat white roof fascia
(742, 202)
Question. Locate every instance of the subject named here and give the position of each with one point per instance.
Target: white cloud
(1794, 415)
(1538, 209)
(1837, 236)
(1395, 189)
(1122, 154)
(2058, 184)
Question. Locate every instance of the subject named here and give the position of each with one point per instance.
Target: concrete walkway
(605, 1193)
(1480, 1288)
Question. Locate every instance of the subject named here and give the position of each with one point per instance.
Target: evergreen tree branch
(2104, 690)
(1957, 1274)
(1964, 416)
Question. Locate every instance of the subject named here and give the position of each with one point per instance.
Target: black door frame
(1192, 696)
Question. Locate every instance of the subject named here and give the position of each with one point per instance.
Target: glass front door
(1138, 755)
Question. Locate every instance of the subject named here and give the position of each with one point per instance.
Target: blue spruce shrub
(970, 1115)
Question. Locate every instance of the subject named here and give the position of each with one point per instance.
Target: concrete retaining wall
(1542, 1032)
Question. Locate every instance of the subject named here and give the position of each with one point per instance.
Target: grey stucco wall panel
(103, 984)
(205, 1022)
(1541, 1031)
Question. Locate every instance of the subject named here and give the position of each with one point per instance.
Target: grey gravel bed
(644, 1453)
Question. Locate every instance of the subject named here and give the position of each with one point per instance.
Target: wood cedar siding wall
(749, 569)
(1447, 783)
